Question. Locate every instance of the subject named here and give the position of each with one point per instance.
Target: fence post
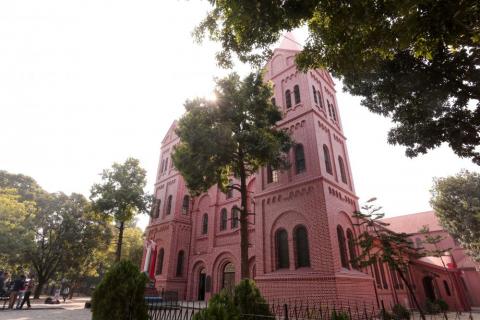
(285, 311)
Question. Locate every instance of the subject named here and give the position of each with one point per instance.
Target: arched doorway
(429, 289)
(202, 281)
(228, 281)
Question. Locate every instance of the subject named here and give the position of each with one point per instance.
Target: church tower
(304, 230)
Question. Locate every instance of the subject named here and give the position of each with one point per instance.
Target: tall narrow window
(185, 204)
(168, 209)
(299, 158)
(223, 219)
(328, 163)
(302, 251)
(156, 208)
(377, 274)
(334, 112)
(329, 109)
(296, 94)
(342, 247)
(166, 164)
(394, 278)
(343, 174)
(288, 99)
(273, 101)
(447, 288)
(159, 268)
(235, 217)
(162, 166)
(382, 272)
(205, 223)
(281, 244)
(272, 174)
(351, 249)
(314, 94)
(229, 193)
(181, 257)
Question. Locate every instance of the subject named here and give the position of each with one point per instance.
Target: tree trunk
(244, 272)
(400, 273)
(39, 287)
(118, 254)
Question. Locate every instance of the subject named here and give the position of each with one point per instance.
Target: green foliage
(399, 312)
(246, 303)
(235, 132)
(120, 295)
(414, 61)
(436, 306)
(234, 135)
(339, 315)
(220, 307)
(249, 300)
(456, 200)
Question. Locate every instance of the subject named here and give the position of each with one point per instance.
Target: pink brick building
(302, 232)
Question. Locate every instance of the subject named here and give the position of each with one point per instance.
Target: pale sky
(87, 83)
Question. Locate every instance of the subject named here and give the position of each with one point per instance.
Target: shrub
(399, 312)
(220, 307)
(245, 303)
(431, 307)
(339, 315)
(442, 305)
(120, 294)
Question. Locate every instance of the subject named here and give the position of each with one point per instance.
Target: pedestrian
(65, 292)
(21, 295)
(17, 285)
(57, 295)
(29, 288)
(3, 278)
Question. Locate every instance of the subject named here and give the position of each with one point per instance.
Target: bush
(339, 315)
(442, 305)
(120, 294)
(399, 312)
(246, 303)
(437, 306)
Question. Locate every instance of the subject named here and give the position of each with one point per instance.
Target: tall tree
(380, 245)
(414, 61)
(232, 136)
(121, 195)
(456, 200)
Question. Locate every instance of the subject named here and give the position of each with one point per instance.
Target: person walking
(65, 292)
(17, 285)
(21, 294)
(28, 291)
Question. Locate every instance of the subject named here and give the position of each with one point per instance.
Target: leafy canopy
(456, 200)
(121, 193)
(415, 61)
(235, 132)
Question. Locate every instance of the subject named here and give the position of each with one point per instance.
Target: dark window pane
(169, 205)
(161, 253)
(186, 204)
(314, 94)
(296, 93)
(326, 155)
(180, 259)
(299, 158)
(235, 212)
(281, 239)
(223, 219)
(205, 224)
(351, 248)
(343, 174)
(342, 247)
(288, 99)
(301, 247)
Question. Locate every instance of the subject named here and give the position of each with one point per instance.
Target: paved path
(72, 310)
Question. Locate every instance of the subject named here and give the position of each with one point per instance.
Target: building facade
(301, 230)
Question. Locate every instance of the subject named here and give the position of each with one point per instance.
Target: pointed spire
(289, 42)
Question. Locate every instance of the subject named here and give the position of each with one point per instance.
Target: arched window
(229, 193)
(334, 112)
(382, 272)
(328, 163)
(447, 288)
(281, 243)
(329, 109)
(320, 99)
(296, 94)
(185, 204)
(181, 257)
(377, 273)
(228, 281)
(235, 217)
(156, 208)
(342, 247)
(205, 223)
(223, 219)
(299, 158)
(159, 269)
(301, 247)
(351, 248)
(343, 174)
(314, 94)
(168, 209)
(272, 174)
(288, 99)
(394, 278)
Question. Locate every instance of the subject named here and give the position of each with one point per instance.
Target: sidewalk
(71, 310)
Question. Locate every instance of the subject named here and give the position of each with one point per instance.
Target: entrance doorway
(202, 285)
(429, 289)
(228, 277)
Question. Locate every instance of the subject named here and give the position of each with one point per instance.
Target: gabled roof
(289, 42)
(170, 132)
(412, 223)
